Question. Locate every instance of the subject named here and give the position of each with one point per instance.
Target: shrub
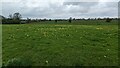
(70, 19)
(55, 20)
(108, 20)
(18, 62)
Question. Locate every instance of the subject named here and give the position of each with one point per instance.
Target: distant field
(61, 44)
(81, 22)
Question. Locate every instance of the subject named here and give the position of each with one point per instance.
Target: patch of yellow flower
(45, 34)
(99, 28)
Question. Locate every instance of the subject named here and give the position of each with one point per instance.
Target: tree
(10, 16)
(49, 19)
(13, 19)
(74, 19)
(28, 20)
(44, 19)
(17, 16)
(2, 19)
(55, 20)
(70, 19)
(108, 20)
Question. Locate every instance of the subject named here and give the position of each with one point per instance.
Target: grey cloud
(87, 4)
(112, 4)
(61, 10)
(84, 7)
(9, 8)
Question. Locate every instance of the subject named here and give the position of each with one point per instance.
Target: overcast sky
(61, 8)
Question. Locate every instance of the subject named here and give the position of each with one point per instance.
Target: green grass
(81, 22)
(61, 44)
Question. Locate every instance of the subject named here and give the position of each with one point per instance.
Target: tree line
(16, 18)
(13, 19)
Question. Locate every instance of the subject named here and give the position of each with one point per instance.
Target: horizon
(66, 18)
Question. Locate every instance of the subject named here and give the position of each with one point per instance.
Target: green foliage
(13, 19)
(17, 62)
(70, 19)
(17, 16)
(10, 21)
(108, 20)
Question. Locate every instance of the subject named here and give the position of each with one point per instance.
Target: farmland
(62, 44)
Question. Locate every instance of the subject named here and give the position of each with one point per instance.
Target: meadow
(62, 44)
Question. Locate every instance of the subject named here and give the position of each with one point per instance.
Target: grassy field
(61, 44)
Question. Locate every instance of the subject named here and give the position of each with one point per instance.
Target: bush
(55, 20)
(108, 20)
(10, 21)
(17, 62)
(70, 20)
